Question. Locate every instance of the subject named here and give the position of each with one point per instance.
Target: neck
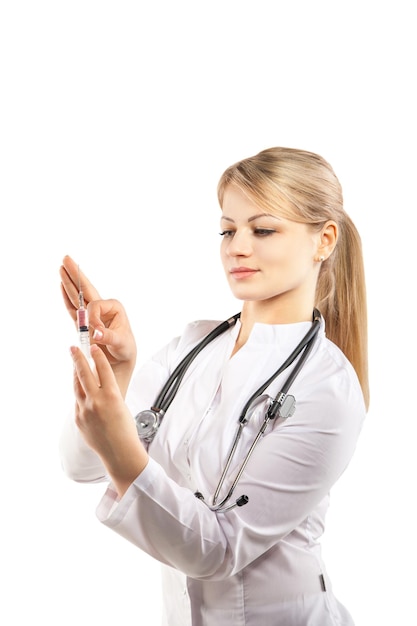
(267, 312)
(270, 312)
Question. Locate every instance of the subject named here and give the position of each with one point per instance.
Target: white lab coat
(260, 564)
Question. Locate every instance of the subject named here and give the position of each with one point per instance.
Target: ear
(328, 240)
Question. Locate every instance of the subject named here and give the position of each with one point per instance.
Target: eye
(227, 233)
(264, 232)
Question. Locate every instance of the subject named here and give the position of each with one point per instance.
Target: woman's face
(266, 257)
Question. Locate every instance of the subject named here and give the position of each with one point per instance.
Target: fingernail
(97, 334)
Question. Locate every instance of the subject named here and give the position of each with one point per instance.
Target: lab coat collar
(283, 336)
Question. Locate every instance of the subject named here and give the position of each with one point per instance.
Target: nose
(239, 244)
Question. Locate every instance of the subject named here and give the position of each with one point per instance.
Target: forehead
(237, 205)
(236, 201)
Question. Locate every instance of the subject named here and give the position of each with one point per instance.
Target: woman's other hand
(104, 419)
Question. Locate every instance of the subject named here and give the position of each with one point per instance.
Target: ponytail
(341, 298)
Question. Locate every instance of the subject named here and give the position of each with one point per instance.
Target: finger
(69, 289)
(106, 316)
(78, 390)
(87, 381)
(68, 304)
(101, 313)
(74, 279)
(103, 368)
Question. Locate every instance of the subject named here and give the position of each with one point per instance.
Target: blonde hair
(301, 186)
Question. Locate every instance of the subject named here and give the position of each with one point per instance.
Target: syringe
(82, 322)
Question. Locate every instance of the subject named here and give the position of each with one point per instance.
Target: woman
(250, 555)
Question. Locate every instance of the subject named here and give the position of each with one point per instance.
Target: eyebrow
(252, 218)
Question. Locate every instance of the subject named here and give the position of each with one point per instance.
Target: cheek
(287, 262)
(274, 255)
(223, 255)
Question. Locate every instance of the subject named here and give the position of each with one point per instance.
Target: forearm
(124, 462)
(123, 374)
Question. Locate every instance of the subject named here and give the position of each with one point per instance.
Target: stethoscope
(283, 405)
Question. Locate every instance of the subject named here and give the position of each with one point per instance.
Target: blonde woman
(244, 434)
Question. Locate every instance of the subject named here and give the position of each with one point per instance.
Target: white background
(116, 121)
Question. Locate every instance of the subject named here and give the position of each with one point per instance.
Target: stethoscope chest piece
(147, 423)
(283, 406)
(287, 407)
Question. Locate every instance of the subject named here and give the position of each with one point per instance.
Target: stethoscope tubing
(275, 408)
(307, 339)
(170, 388)
(271, 413)
(220, 507)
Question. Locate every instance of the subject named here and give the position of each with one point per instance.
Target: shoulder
(334, 379)
(151, 375)
(194, 331)
(180, 345)
(335, 361)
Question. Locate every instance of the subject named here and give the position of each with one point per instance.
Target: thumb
(104, 336)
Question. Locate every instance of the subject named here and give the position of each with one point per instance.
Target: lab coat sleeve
(289, 474)
(167, 521)
(78, 461)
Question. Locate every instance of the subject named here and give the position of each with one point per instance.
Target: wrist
(123, 475)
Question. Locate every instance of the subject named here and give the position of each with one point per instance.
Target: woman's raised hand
(109, 325)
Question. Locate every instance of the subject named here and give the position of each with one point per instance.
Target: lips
(242, 272)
